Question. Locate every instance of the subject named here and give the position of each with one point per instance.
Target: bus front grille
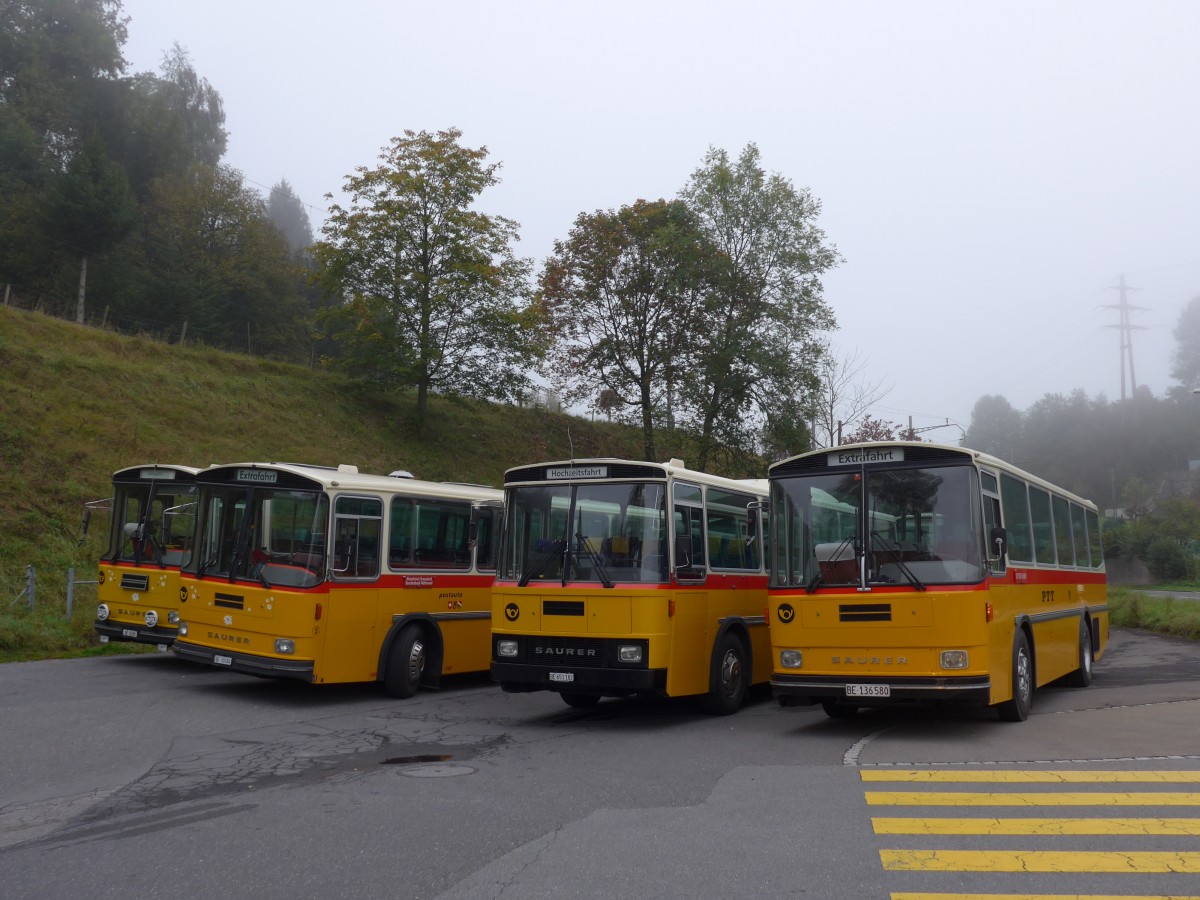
(135, 582)
(229, 601)
(865, 612)
(562, 607)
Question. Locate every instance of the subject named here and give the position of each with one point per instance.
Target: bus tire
(1082, 676)
(836, 710)
(406, 663)
(731, 678)
(581, 701)
(1017, 709)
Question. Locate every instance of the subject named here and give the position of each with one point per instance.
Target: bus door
(691, 634)
(350, 619)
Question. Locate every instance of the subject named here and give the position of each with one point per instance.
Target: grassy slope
(76, 404)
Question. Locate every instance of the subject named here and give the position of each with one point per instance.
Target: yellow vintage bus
(152, 525)
(621, 578)
(328, 575)
(914, 572)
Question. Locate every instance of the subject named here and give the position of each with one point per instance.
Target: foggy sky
(987, 170)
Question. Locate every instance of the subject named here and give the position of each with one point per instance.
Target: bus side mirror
(754, 511)
(999, 542)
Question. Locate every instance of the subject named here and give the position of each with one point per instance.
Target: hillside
(77, 403)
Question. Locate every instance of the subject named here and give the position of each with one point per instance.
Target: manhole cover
(436, 771)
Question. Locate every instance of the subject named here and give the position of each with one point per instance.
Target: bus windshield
(153, 523)
(611, 532)
(272, 536)
(915, 526)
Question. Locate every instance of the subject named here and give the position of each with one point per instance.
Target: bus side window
(357, 521)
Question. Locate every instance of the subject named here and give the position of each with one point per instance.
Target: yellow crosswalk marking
(1048, 798)
(1098, 861)
(1060, 826)
(919, 896)
(1010, 776)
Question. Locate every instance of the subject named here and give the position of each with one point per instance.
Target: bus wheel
(1082, 676)
(836, 710)
(1017, 709)
(732, 677)
(406, 663)
(581, 701)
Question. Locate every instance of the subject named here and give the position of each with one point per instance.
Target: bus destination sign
(257, 476)
(156, 474)
(859, 457)
(566, 472)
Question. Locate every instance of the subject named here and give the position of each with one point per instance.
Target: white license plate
(128, 632)
(868, 690)
(223, 660)
(565, 677)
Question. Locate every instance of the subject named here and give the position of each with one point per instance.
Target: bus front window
(605, 532)
(269, 536)
(921, 526)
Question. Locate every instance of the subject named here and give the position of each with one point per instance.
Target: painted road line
(1013, 776)
(1064, 861)
(1146, 826)
(1049, 798)
(907, 895)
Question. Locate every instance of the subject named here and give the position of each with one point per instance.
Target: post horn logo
(511, 612)
(786, 612)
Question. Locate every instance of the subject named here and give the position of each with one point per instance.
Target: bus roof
(609, 468)
(925, 450)
(348, 478)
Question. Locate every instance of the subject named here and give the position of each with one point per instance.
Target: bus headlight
(151, 618)
(173, 617)
(629, 653)
(285, 645)
(102, 612)
(955, 659)
(183, 629)
(506, 648)
(791, 659)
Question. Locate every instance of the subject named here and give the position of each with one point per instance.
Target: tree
(870, 429)
(995, 427)
(196, 104)
(843, 397)
(1185, 361)
(224, 267)
(624, 295)
(764, 312)
(286, 211)
(52, 54)
(425, 291)
(90, 208)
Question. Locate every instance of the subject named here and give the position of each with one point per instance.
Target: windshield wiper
(913, 579)
(597, 562)
(835, 556)
(539, 567)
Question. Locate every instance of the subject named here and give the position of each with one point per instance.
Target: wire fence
(163, 331)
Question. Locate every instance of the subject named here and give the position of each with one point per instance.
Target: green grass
(78, 403)
(1130, 608)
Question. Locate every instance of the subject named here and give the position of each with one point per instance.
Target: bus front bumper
(249, 664)
(798, 690)
(127, 631)
(522, 678)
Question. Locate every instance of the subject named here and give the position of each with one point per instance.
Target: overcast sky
(988, 170)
